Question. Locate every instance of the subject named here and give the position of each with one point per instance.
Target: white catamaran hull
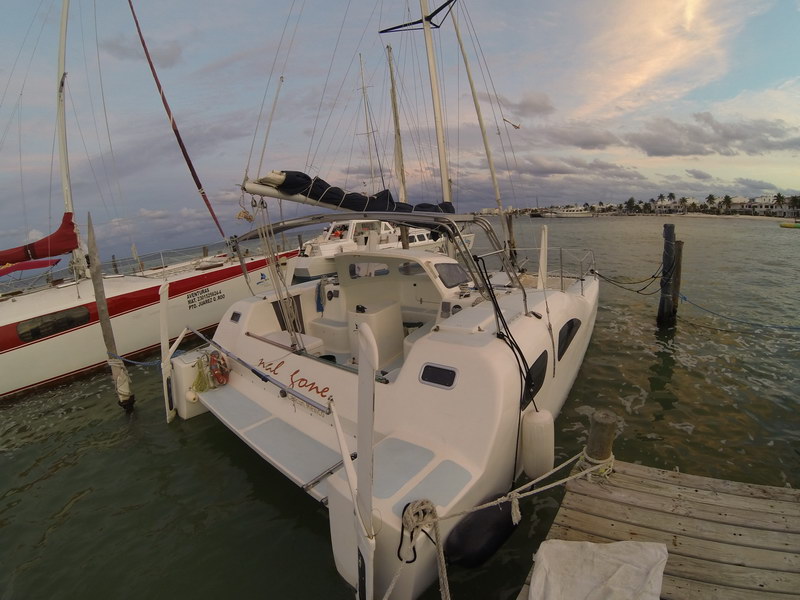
(448, 404)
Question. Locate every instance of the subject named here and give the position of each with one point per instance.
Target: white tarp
(586, 571)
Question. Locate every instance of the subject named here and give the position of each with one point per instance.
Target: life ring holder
(218, 367)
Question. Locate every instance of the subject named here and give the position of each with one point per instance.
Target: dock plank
(614, 510)
(688, 505)
(614, 531)
(751, 490)
(726, 540)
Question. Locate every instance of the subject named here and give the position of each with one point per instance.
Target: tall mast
(437, 101)
(398, 143)
(61, 127)
(481, 123)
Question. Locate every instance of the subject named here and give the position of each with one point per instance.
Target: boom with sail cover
(62, 241)
(300, 187)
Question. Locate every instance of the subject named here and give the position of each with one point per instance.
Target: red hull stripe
(132, 301)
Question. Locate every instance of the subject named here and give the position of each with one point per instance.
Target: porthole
(566, 335)
(438, 375)
(534, 380)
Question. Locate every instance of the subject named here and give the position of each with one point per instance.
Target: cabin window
(438, 376)
(367, 269)
(451, 274)
(566, 335)
(235, 316)
(537, 373)
(52, 324)
(411, 268)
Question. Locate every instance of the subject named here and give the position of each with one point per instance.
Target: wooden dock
(726, 540)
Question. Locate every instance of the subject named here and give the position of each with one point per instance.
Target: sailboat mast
(479, 114)
(61, 127)
(61, 111)
(437, 101)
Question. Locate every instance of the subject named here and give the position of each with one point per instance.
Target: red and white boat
(53, 332)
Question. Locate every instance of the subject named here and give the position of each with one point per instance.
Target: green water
(96, 504)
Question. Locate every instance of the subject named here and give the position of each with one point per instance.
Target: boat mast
(61, 127)
(480, 121)
(437, 101)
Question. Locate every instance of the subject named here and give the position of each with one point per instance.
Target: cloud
(34, 235)
(698, 174)
(531, 104)
(165, 54)
(755, 185)
(707, 135)
(647, 52)
(581, 135)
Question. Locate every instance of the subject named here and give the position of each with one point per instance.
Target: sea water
(98, 504)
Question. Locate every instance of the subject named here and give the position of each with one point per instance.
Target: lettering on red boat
(203, 296)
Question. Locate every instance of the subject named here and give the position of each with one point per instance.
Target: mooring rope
(422, 513)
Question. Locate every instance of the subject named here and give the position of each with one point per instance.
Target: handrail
(285, 389)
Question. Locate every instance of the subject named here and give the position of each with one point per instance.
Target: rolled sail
(300, 187)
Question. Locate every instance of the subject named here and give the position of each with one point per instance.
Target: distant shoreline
(701, 215)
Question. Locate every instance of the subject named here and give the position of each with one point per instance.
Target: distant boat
(795, 225)
(568, 212)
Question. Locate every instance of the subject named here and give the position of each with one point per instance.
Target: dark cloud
(584, 136)
(707, 135)
(164, 54)
(755, 185)
(532, 104)
(698, 174)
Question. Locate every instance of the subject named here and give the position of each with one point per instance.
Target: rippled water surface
(95, 504)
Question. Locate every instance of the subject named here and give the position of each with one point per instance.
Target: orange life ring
(218, 367)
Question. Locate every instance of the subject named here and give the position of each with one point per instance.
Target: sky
(584, 101)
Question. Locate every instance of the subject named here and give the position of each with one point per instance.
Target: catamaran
(405, 388)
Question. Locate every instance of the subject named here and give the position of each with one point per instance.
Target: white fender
(538, 442)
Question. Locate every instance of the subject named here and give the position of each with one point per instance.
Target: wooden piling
(602, 430)
(676, 277)
(666, 312)
(119, 373)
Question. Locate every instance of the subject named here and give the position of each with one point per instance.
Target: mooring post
(676, 277)
(602, 429)
(666, 312)
(119, 374)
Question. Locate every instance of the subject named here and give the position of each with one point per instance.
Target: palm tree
(779, 200)
(630, 205)
(710, 200)
(671, 197)
(683, 202)
(794, 204)
(727, 201)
